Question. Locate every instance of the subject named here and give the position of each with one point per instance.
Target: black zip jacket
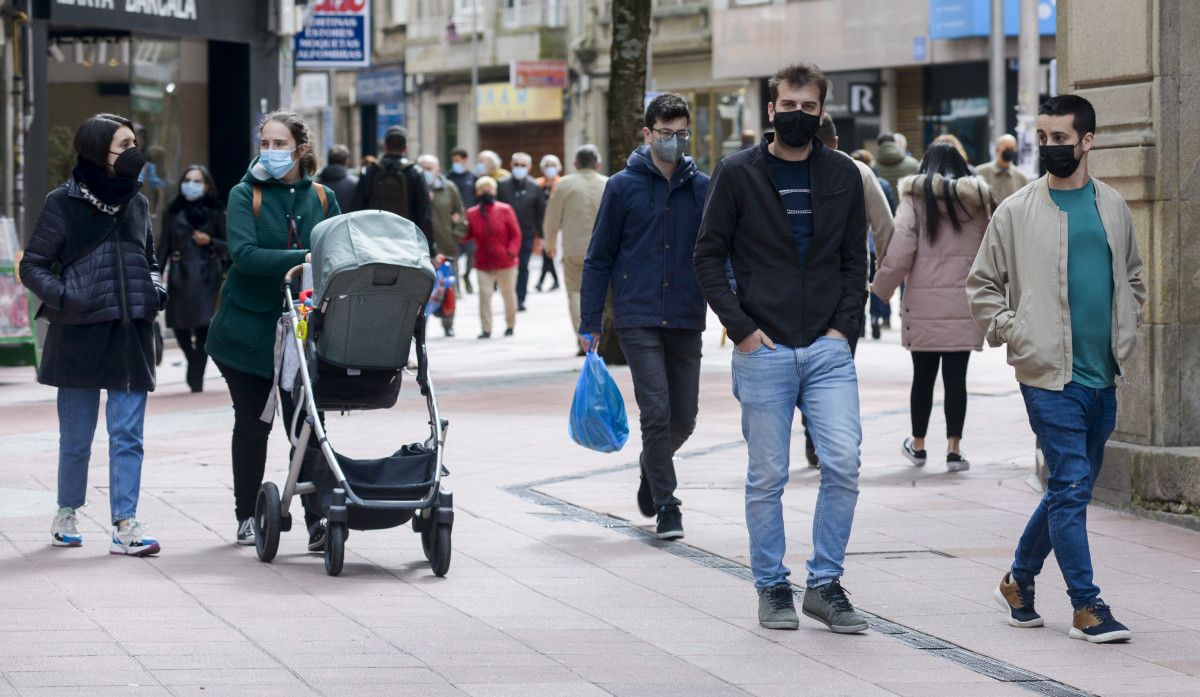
(97, 277)
(745, 222)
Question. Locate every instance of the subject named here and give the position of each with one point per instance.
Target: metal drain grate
(975, 662)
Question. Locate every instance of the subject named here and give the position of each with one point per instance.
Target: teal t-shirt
(1089, 287)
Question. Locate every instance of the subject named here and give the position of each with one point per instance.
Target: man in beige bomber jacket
(1058, 279)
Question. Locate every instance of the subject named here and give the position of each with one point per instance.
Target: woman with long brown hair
(270, 215)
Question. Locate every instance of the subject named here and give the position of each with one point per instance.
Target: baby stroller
(343, 346)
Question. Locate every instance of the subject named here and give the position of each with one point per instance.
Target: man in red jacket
(493, 227)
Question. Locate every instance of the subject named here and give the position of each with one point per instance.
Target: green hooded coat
(242, 333)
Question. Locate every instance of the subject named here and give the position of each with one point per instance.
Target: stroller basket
(406, 475)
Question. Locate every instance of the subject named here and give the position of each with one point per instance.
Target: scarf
(108, 194)
(198, 212)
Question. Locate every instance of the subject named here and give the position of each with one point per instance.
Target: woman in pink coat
(944, 211)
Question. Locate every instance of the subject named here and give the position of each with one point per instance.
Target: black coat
(338, 178)
(194, 273)
(529, 202)
(745, 222)
(97, 278)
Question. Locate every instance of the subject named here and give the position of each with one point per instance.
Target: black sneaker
(777, 608)
(917, 457)
(484, 335)
(1095, 624)
(645, 499)
(316, 537)
(828, 604)
(876, 330)
(955, 462)
(670, 523)
(1017, 602)
(521, 307)
(508, 332)
(449, 333)
(245, 532)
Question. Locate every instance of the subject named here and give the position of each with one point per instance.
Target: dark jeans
(523, 271)
(665, 366)
(1072, 427)
(547, 270)
(250, 436)
(192, 343)
(954, 382)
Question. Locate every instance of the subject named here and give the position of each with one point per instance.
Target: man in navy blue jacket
(642, 244)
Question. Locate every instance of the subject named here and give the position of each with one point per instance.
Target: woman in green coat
(270, 215)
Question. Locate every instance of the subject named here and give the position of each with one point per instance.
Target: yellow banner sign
(500, 102)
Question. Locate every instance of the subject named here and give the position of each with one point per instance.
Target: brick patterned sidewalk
(538, 602)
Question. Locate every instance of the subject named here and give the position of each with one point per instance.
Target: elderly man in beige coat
(572, 209)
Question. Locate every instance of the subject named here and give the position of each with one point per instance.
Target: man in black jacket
(529, 201)
(789, 216)
(336, 176)
(396, 185)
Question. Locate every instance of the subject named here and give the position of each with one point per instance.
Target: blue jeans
(1072, 427)
(78, 411)
(770, 384)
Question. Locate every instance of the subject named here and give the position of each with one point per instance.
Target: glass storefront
(716, 125)
(159, 84)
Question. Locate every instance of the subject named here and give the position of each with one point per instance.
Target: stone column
(1138, 62)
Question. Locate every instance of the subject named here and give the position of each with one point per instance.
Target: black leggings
(250, 436)
(191, 341)
(954, 381)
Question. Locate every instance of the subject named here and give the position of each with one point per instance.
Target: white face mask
(192, 190)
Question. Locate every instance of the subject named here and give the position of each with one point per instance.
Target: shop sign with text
(338, 36)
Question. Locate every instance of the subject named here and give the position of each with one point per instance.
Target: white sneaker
(245, 533)
(131, 537)
(65, 529)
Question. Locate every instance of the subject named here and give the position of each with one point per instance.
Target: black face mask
(129, 164)
(796, 128)
(487, 199)
(1009, 156)
(1059, 160)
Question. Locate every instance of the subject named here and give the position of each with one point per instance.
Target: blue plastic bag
(598, 418)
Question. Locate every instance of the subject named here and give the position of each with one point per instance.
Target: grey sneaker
(132, 538)
(776, 609)
(829, 604)
(64, 531)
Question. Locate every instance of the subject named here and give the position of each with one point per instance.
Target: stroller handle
(305, 279)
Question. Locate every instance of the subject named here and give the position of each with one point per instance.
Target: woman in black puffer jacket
(91, 263)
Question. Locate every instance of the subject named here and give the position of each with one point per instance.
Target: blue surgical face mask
(428, 177)
(458, 168)
(192, 191)
(520, 172)
(550, 172)
(480, 169)
(277, 162)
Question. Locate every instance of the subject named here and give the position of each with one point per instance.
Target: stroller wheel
(267, 522)
(438, 548)
(335, 548)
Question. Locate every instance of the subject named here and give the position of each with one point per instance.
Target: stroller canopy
(357, 239)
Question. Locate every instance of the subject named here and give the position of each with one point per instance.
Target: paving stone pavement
(554, 587)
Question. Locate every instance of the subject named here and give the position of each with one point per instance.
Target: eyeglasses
(664, 133)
